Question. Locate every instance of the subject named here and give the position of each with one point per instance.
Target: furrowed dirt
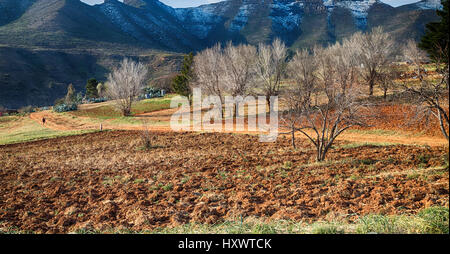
(105, 180)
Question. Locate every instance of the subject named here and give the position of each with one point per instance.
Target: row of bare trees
(322, 97)
(321, 90)
(239, 70)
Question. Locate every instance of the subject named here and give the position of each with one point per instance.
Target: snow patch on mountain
(241, 19)
(359, 9)
(429, 4)
(286, 15)
(116, 17)
(200, 21)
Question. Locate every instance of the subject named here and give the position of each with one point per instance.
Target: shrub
(95, 100)
(79, 98)
(65, 108)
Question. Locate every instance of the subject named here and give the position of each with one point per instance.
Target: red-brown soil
(104, 180)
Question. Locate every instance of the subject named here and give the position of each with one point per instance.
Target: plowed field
(106, 180)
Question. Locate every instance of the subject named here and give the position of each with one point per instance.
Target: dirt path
(62, 122)
(59, 122)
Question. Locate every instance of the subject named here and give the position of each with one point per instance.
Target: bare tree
(387, 79)
(430, 96)
(375, 49)
(270, 67)
(331, 118)
(125, 83)
(301, 71)
(238, 63)
(209, 71)
(334, 110)
(101, 89)
(415, 56)
(345, 64)
(325, 69)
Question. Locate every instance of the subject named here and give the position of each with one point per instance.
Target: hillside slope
(47, 44)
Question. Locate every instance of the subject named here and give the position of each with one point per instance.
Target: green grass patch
(6, 120)
(29, 130)
(374, 132)
(108, 110)
(365, 144)
(433, 220)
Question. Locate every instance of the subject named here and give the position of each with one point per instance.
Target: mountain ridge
(85, 41)
(150, 24)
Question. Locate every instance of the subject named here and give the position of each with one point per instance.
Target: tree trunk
(319, 153)
(371, 85)
(126, 112)
(293, 138)
(319, 156)
(442, 125)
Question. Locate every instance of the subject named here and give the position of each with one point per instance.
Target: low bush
(65, 108)
(95, 100)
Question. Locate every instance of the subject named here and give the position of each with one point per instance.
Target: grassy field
(15, 129)
(108, 111)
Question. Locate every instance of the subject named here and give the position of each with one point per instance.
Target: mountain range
(47, 44)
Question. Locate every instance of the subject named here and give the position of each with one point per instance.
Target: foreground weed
(167, 187)
(435, 220)
(326, 229)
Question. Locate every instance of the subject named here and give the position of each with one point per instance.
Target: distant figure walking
(43, 120)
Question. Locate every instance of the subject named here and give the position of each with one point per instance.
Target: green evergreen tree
(181, 82)
(91, 88)
(436, 38)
